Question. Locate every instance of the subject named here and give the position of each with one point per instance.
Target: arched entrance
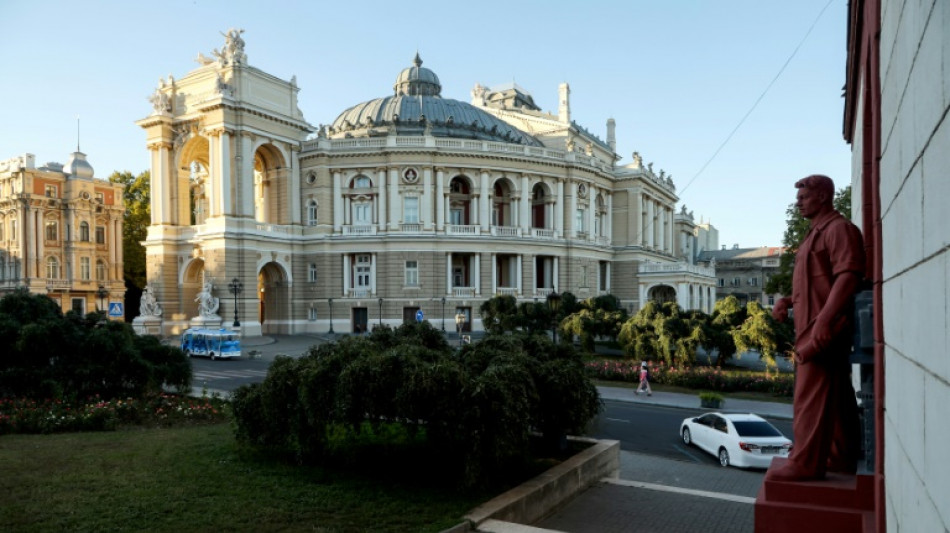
(273, 293)
(662, 294)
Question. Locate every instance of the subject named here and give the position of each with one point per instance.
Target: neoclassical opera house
(409, 202)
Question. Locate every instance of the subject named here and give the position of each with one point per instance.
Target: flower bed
(696, 377)
(54, 416)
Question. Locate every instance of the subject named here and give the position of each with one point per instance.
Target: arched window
(312, 213)
(52, 268)
(100, 270)
(362, 182)
(84, 231)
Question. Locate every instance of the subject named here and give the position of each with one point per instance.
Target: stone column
(559, 210)
(384, 216)
(485, 202)
(440, 199)
(337, 177)
(525, 211)
(425, 203)
(245, 175)
(395, 203)
(570, 226)
(347, 283)
(650, 228)
(477, 274)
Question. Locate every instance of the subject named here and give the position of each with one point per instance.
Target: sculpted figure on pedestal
(829, 267)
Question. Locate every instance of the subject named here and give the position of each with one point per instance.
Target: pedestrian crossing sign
(115, 309)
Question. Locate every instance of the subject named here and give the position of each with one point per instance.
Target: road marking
(686, 452)
(618, 420)
(679, 490)
(229, 374)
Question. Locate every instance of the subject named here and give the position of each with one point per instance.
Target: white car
(743, 440)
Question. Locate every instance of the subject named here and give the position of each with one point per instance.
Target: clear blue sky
(676, 75)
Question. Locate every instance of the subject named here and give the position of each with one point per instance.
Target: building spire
(77, 134)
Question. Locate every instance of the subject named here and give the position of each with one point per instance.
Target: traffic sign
(419, 315)
(115, 309)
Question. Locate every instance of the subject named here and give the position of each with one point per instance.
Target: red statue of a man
(829, 267)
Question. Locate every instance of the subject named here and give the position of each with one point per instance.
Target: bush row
(474, 409)
(23, 415)
(695, 377)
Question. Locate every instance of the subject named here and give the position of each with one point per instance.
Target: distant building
(61, 233)
(405, 203)
(743, 272)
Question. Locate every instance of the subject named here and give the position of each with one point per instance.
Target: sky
(737, 99)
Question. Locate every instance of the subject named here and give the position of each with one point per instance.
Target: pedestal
(147, 325)
(837, 504)
(206, 322)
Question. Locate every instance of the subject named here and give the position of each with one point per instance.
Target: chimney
(564, 103)
(612, 134)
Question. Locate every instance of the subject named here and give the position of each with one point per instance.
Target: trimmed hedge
(695, 377)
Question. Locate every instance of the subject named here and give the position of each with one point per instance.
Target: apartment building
(61, 233)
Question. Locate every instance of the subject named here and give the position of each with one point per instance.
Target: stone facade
(743, 272)
(400, 203)
(61, 233)
(896, 103)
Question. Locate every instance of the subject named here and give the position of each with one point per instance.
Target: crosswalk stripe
(229, 374)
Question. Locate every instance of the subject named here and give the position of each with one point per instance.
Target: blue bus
(213, 343)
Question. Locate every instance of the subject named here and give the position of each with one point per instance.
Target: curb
(542, 495)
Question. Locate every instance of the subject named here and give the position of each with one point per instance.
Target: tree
(664, 332)
(137, 198)
(761, 332)
(727, 315)
(595, 317)
(796, 227)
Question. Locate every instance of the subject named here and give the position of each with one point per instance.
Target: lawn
(197, 479)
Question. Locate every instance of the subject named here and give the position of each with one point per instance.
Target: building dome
(417, 80)
(417, 108)
(77, 166)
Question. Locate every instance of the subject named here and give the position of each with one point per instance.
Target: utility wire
(759, 99)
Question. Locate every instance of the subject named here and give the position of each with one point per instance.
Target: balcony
(411, 228)
(359, 230)
(543, 292)
(463, 292)
(506, 291)
(360, 292)
(453, 229)
(542, 233)
(505, 231)
(58, 284)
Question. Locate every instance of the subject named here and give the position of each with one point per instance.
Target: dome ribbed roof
(418, 108)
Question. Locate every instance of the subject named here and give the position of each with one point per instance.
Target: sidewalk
(691, 401)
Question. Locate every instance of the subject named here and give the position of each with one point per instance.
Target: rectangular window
(52, 230)
(754, 282)
(51, 191)
(100, 235)
(312, 315)
(410, 210)
(363, 263)
(84, 232)
(100, 271)
(85, 268)
(312, 273)
(79, 306)
(362, 214)
(583, 276)
(579, 220)
(721, 283)
(412, 273)
(736, 282)
(100, 198)
(455, 217)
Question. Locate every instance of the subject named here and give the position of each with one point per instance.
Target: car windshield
(756, 429)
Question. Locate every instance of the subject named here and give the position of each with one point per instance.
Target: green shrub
(473, 410)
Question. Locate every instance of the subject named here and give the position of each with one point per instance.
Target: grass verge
(198, 479)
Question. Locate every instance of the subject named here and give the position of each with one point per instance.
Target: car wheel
(723, 457)
(687, 438)
(212, 356)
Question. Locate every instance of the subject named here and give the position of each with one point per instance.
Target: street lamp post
(102, 293)
(459, 322)
(330, 301)
(443, 314)
(236, 287)
(380, 312)
(554, 304)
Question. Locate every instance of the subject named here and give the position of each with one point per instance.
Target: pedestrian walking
(644, 380)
